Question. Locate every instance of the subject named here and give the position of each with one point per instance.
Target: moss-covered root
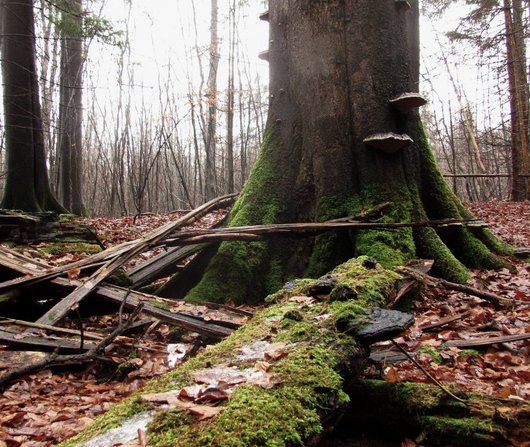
(241, 270)
(294, 346)
(424, 412)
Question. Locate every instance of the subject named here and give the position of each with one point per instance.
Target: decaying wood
(13, 339)
(427, 373)
(486, 341)
(444, 321)
(59, 330)
(161, 265)
(153, 238)
(94, 353)
(285, 373)
(415, 410)
(195, 323)
(260, 232)
(442, 283)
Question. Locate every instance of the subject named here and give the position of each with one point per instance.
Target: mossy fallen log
(423, 412)
(280, 380)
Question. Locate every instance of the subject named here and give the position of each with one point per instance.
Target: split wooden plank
(216, 330)
(188, 322)
(13, 339)
(260, 232)
(161, 265)
(154, 237)
(487, 341)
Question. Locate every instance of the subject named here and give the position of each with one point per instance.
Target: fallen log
(282, 379)
(422, 412)
(284, 372)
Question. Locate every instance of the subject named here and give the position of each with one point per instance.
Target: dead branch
(55, 359)
(477, 342)
(438, 282)
(153, 238)
(260, 232)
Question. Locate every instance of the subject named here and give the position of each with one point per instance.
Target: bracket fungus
(388, 142)
(264, 55)
(406, 102)
(403, 4)
(264, 16)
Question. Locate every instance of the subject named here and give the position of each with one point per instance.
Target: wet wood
(442, 283)
(57, 312)
(485, 341)
(30, 342)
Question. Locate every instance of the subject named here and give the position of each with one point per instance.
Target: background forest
(161, 107)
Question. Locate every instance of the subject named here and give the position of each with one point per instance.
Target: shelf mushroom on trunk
(407, 102)
(389, 142)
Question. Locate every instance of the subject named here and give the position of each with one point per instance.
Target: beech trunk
(334, 68)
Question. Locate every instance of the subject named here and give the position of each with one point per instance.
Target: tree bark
(519, 98)
(26, 187)
(334, 67)
(69, 150)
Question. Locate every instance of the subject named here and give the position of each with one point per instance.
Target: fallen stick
(438, 282)
(55, 359)
(153, 238)
(477, 342)
(444, 321)
(260, 232)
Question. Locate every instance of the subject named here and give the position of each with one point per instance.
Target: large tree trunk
(26, 185)
(335, 65)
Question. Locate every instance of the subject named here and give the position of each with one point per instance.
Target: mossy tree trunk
(334, 67)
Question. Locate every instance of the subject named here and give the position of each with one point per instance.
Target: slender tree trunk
(211, 132)
(335, 67)
(70, 124)
(230, 103)
(519, 98)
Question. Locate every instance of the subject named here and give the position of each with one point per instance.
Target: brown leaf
(392, 375)
(73, 274)
(212, 394)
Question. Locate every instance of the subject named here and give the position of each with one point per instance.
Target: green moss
(471, 251)
(464, 431)
(435, 355)
(333, 247)
(371, 286)
(62, 248)
(300, 288)
(249, 262)
(430, 246)
(389, 247)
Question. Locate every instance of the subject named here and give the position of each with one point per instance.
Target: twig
(424, 371)
(56, 359)
(438, 282)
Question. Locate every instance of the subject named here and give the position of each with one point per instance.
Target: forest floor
(45, 408)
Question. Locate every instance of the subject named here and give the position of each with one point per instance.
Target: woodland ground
(45, 408)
